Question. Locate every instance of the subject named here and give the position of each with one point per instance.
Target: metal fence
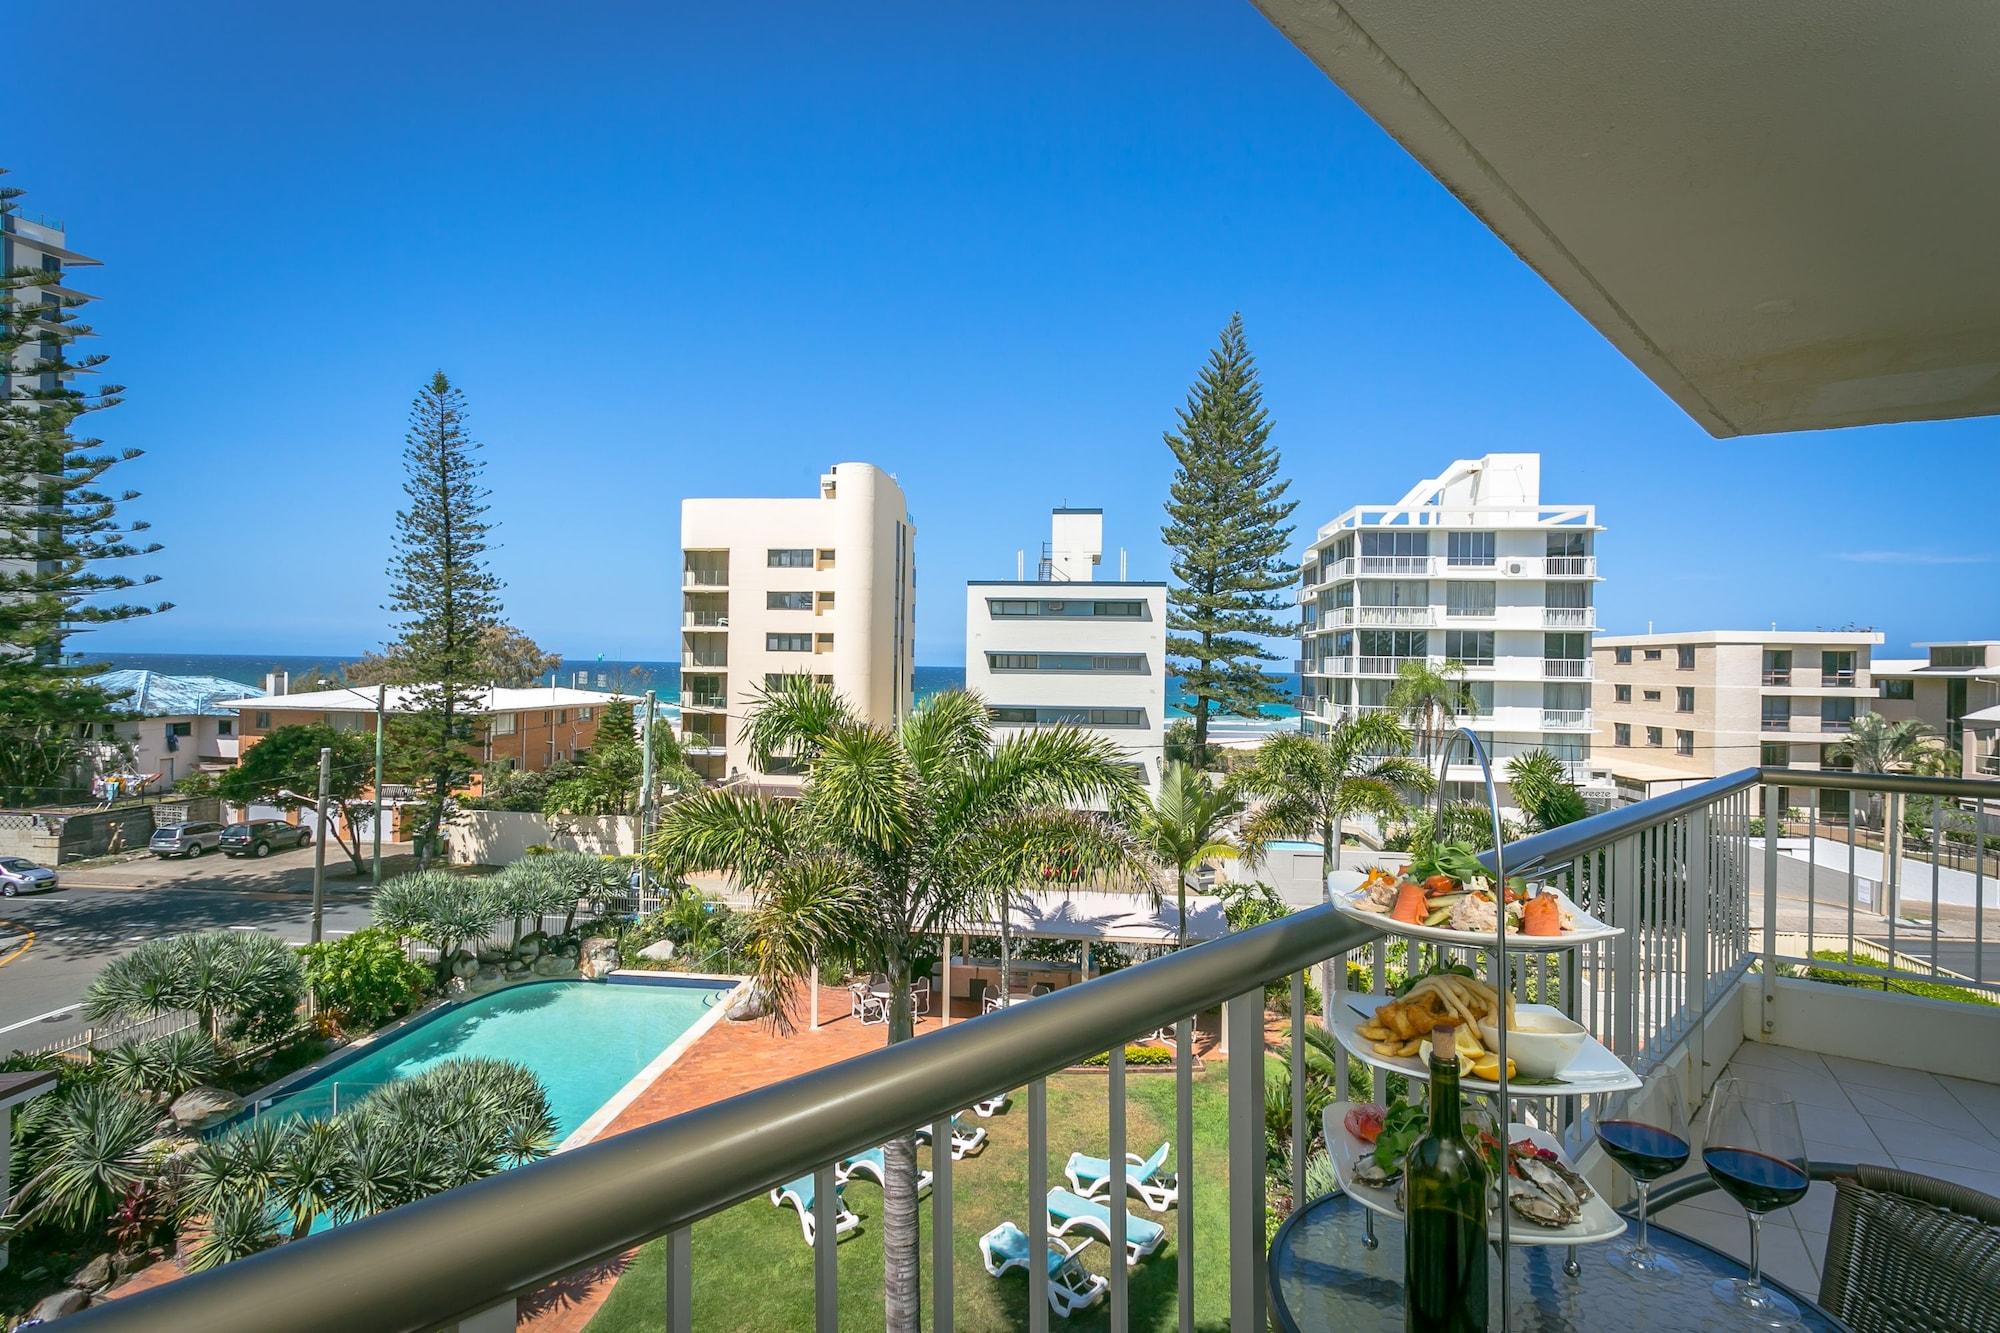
(1676, 872)
(114, 1034)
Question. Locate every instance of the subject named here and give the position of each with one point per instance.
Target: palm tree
(1308, 786)
(1430, 698)
(1188, 823)
(1874, 744)
(1542, 789)
(895, 835)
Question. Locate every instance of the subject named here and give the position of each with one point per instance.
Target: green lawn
(752, 1269)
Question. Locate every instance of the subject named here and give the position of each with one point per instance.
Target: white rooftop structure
(1105, 916)
(492, 699)
(155, 694)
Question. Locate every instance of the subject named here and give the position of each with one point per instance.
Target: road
(53, 944)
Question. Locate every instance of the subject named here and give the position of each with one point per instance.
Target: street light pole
(381, 707)
(319, 841)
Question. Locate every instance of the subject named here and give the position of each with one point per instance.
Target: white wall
(496, 837)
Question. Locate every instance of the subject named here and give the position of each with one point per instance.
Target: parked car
(190, 839)
(20, 875)
(260, 837)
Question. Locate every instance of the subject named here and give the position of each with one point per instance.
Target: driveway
(286, 872)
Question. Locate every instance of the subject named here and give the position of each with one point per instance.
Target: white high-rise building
(821, 586)
(1469, 567)
(1063, 647)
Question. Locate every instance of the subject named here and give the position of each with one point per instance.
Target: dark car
(190, 839)
(20, 875)
(260, 837)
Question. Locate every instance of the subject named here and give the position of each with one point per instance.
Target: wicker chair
(1906, 1253)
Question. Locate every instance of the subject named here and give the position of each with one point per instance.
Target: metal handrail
(450, 1256)
(1559, 846)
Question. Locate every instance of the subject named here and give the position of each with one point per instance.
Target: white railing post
(1773, 815)
(680, 1285)
(941, 1252)
(1625, 947)
(1120, 1279)
(1038, 1208)
(1184, 1169)
(826, 1260)
(1696, 909)
(1244, 1018)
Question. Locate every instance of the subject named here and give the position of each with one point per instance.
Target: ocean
(590, 673)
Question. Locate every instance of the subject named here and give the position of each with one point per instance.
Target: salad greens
(1455, 859)
(1402, 1125)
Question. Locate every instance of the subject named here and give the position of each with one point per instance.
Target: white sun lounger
(965, 1139)
(1072, 1212)
(874, 1166)
(1091, 1177)
(992, 1106)
(800, 1195)
(1072, 1287)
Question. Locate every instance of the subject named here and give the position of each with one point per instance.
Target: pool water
(1293, 845)
(585, 1040)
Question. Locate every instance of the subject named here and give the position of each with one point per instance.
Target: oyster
(1540, 1209)
(1543, 1190)
(1368, 1171)
(1553, 1181)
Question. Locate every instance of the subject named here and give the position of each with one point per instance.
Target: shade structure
(1112, 918)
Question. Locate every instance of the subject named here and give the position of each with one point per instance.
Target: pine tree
(1227, 529)
(449, 600)
(61, 536)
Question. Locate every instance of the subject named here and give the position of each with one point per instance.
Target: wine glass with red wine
(1756, 1152)
(1645, 1131)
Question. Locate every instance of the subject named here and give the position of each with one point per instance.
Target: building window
(1469, 548)
(1621, 733)
(1002, 607)
(1112, 663)
(1774, 756)
(501, 724)
(1777, 713)
(1836, 714)
(180, 728)
(1652, 654)
(1621, 694)
(1462, 598)
(585, 714)
(1118, 610)
(789, 559)
(1958, 657)
(788, 643)
(1401, 542)
(1897, 689)
(1683, 742)
(1684, 699)
(1018, 716)
(225, 726)
(262, 721)
(1395, 643)
(1472, 647)
(1622, 656)
(1685, 657)
(1651, 696)
(788, 601)
(1835, 803)
(1655, 737)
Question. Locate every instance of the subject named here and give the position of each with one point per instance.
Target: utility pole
(381, 708)
(646, 796)
(319, 841)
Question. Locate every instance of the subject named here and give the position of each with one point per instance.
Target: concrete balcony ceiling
(1782, 215)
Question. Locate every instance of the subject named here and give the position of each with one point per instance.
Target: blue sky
(671, 250)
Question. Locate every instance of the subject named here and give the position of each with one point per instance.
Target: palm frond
(807, 909)
(947, 731)
(723, 829)
(792, 716)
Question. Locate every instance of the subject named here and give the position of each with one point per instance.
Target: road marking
(25, 945)
(53, 1013)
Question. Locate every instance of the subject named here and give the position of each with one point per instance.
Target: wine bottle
(1444, 1189)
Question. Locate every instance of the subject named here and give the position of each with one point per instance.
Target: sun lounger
(1072, 1287)
(1072, 1212)
(992, 1106)
(800, 1195)
(965, 1139)
(1091, 1177)
(874, 1166)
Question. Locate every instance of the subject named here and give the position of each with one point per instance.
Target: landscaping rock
(659, 951)
(198, 1104)
(752, 1003)
(516, 966)
(464, 965)
(95, 1275)
(600, 957)
(67, 1301)
(553, 965)
(531, 947)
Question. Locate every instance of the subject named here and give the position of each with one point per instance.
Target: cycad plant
(163, 1066)
(92, 1145)
(235, 982)
(443, 910)
(1193, 820)
(896, 835)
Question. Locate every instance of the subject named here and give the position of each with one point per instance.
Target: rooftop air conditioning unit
(1513, 566)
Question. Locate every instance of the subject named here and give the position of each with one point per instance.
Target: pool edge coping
(601, 1118)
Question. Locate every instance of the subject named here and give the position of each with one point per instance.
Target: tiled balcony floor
(1851, 1111)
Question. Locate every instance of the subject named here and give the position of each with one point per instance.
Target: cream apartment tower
(1470, 567)
(823, 586)
(1065, 648)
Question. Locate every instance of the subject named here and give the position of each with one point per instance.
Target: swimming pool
(585, 1040)
(1293, 845)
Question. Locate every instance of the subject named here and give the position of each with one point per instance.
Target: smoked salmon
(1411, 905)
(1541, 915)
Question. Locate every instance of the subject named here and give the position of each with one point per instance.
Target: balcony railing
(1569, 566)
(1566, 617)
(705, 578)
(1557, 719)
(1837, 680)
(1396, 615)
(1395, 564)
(1777, 677)
(1384, 666)
(1836, 724)
(1989, 763)
(1675, 873)
(1567, 668)
(715, 702)
(1777, 723)
(705, 620)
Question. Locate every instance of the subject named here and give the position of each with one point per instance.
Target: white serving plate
(1588, 928)
(1595, 1068)
(1598, 1221)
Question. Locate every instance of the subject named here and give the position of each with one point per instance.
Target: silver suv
(185, 839)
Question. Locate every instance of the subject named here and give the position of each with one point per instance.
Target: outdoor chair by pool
(1072, 1212)
(1905, 1251)
(920, 997)
(868, 1007)
(992, 1106)
(1091, 1177)
(1072, 1287)
(965, 1139)
(800, 1195)
(873, 1166)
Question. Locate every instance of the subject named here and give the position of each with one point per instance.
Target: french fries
(1400, 1025)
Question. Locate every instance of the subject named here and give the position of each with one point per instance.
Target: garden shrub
(365, 979)
(1150, 1057)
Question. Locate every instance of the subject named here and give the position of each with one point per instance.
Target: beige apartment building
(822, 586)
(1946, 688)
(1675, 709)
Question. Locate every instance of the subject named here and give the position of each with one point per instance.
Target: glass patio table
(1324, 1276)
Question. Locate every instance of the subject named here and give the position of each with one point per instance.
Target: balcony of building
(1398, 616)
(1566, 719)
(705, 569)
(1568, 617)
(1566, 668)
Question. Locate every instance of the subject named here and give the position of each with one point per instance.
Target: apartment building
(1469, 567)
(1941, 688)
(822, 585)
(1065, 648)
(1674, 709)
